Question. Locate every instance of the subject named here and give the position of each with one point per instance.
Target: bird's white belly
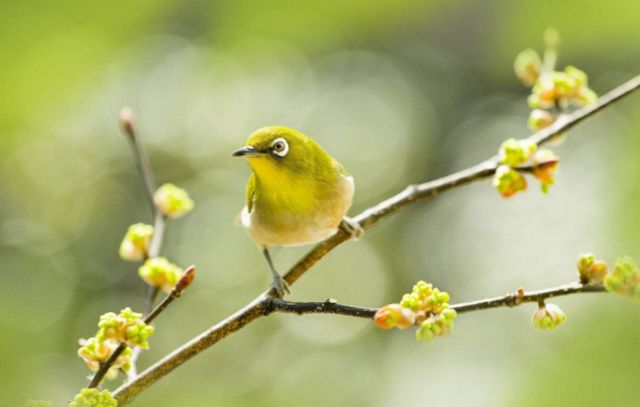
(290, 229)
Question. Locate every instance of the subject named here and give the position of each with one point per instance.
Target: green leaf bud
(172, 201)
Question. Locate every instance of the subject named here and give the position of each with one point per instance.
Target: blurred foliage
(398, 93)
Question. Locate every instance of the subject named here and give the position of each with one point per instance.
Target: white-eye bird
(297, 193)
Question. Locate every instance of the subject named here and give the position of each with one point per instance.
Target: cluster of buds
(561, 89)
(548, 316)
(624, 279)
(551, 89)
(590, 269)
(436, 325)
(127, 327)
(425, 305)
(135, 244)
(159, 272)
(508, 179)
(96, 352)
(514, 152)
(93, 398)
(172, 201)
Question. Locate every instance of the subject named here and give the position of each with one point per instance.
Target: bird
(297, 194)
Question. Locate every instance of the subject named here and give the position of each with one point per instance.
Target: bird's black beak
(247, 151)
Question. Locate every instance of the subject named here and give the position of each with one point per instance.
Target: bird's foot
(280, 285)
(351, 228)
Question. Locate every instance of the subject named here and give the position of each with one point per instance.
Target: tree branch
(181, 285)
(331, 306)
(412, 194)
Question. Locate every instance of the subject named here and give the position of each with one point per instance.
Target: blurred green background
(399, 92)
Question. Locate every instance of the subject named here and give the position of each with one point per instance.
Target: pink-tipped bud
(186, 279)
(394, 316)
(126, 121)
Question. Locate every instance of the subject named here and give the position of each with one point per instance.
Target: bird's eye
(280, 147)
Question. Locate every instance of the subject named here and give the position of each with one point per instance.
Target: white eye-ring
(280, 147)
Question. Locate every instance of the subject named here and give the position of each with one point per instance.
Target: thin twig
(183, 283)
(159, 224)
(414, 193)
(142, 162)
(509, 300)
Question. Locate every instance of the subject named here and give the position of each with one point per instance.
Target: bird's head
(277, 151)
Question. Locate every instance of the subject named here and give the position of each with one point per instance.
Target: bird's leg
(352, 228)
(278, 283)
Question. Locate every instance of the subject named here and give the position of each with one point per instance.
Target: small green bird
(297, 193)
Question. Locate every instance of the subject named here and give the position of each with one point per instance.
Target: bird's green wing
(251, 188)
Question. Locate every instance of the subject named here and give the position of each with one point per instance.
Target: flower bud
(548, 316)
(508, 181)
(135, 244)
(172, 201)
(159, 272)
(127, 327)
(514, 152)
(543, 94)
(436, 325)
(96, 352)
(545, 165)
(394, 316)
(624, 280)
(561, 89)
(540, 119)
(585, 261)
(93, 398)
(527, 67)
(591, 270)
(187, 278)
(599, 271)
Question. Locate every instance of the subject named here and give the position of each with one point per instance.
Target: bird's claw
(281, 286)
(351, 228)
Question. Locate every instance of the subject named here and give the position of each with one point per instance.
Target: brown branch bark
(508, 300)
(411, 194)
